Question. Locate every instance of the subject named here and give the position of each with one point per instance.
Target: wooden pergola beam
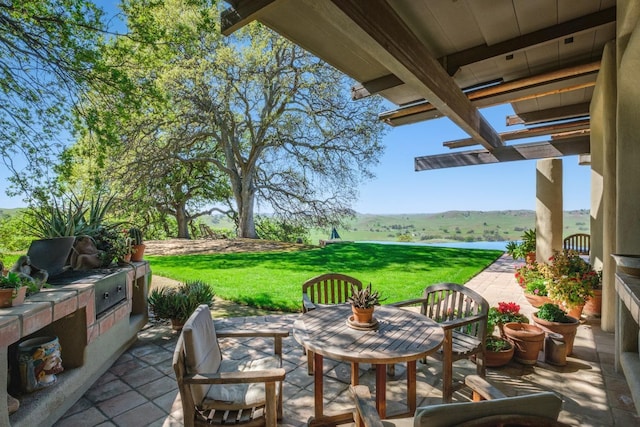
(542, 116)
(508, 153)
(422, 71)
(560, 128)
(576, 26)
(453, 62)
(557, 81)
(240, 14)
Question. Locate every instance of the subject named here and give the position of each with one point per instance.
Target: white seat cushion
(240, 395)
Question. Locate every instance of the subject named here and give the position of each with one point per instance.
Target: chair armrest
(365, 408)
(276, 334)
(482, 389)
(408, 302)
(241, 377)
(456, 323)
(306, 302)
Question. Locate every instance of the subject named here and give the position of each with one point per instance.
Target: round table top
(401, 336)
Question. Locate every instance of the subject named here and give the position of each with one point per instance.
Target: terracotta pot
(138, 253)
(567, 330)
(593, 306)
(177, 324)
(527, 339)
(9, 299)
(495, 359)
(575, 312)
(362, 315)
(125, 259)
(537, 300)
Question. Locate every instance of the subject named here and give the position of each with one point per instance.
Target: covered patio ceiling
(434, 58)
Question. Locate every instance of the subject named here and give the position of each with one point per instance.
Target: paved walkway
(140, 389)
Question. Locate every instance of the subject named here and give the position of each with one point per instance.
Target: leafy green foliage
(179, 302)
(497, 344)
(274, 279)
(272, 229)
(552, 313)
(520, 250)
(47, 55)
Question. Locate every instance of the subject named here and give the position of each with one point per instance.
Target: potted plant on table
(363, 302)
(177, 303)
(551, 318)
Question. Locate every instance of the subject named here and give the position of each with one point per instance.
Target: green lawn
(274, 279)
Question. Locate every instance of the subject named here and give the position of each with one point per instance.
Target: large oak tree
(275, 121)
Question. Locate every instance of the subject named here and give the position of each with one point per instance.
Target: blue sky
(397, 188)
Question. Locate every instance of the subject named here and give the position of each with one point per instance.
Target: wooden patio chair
(579, 242)
(326, 289)
(462, 313)
(538, 409)
(216, 390)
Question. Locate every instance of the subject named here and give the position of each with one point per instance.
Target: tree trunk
(246, 224)
(183, 222)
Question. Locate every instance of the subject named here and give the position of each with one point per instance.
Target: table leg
(317, 384)
(355, 373)
(411, 386)
(381, 390)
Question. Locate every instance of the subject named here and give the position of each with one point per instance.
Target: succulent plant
(136, 236)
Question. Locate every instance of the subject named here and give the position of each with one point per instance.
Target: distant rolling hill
(467, 226)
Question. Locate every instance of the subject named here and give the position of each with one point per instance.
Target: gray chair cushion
(544, 404)
(202, 352)
(246, 395)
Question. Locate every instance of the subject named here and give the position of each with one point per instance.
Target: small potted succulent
(13, 289)
(363, 302)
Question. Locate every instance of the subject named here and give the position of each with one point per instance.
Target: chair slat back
(330, 288)
(449, 301)
(579, 242)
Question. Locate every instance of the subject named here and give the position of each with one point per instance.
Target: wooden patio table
(401, 336)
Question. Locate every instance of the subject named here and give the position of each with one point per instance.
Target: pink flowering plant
(571, 279)
(531, 279)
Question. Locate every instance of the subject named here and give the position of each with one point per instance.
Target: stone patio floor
(140, 388)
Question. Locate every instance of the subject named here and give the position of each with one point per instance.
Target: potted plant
(505, 312)
(13, 289)
(177, 303)
(571, 280)
(527, 339)
(524, 249)
(363, 302)
(498, 351)
(533, 282)
(137, 244)
(551, 318)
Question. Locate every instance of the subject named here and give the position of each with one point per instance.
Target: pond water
(500, 246)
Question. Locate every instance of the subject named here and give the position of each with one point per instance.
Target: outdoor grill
(110, 285)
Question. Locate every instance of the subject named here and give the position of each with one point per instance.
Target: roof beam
(416, 67)
(527, 133)
(507, 153)
(550, 83)
(240, 14)
(455, 61)
(542, 116)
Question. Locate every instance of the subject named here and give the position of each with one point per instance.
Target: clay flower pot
(527, 339)
(567, 330)
(537, 300)
(593, 306)
(495, 359)
(362, 315)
